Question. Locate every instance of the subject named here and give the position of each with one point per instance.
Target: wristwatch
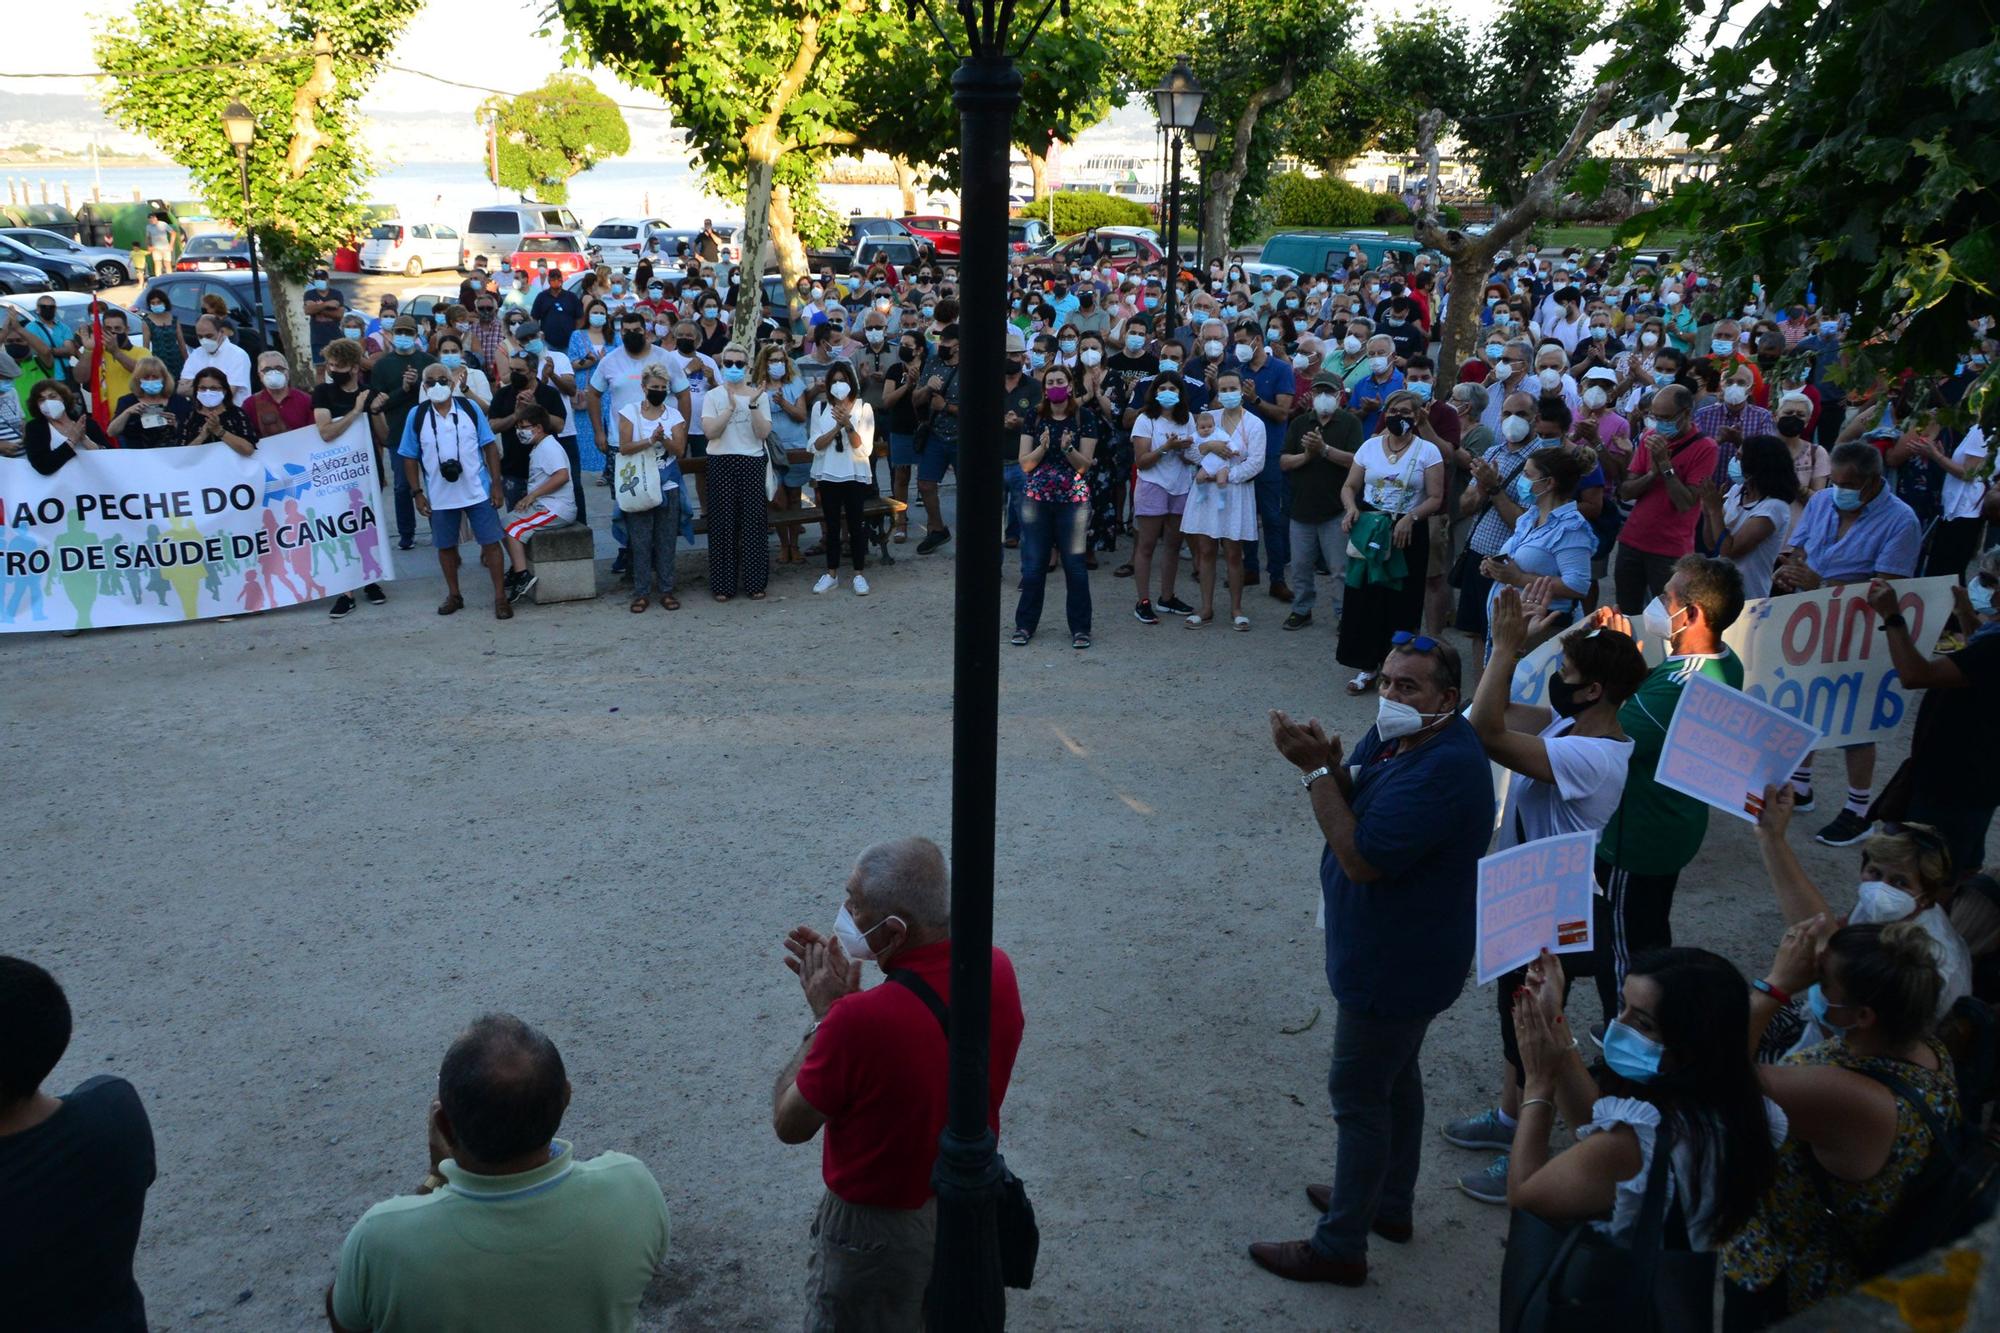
(1895, 621)
(1307, 780)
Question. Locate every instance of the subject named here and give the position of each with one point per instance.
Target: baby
(1207, 432)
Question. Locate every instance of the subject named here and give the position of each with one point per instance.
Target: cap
(1328, 379)
(1603, 374)
(527, 328)
(403, 324)
(1015, 342)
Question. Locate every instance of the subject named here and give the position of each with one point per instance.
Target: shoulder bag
(636, 480)
(1020, 1239)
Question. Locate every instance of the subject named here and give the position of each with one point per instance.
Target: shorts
(697, 446)
(1154, 500)
(902, 450)
(522, 526)
(936, 456)
(484, 518)
(796, 475)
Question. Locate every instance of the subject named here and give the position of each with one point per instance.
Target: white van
(496, 231)
(398, 245)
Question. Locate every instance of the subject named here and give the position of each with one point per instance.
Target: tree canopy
(549, 134)
(1856, 151)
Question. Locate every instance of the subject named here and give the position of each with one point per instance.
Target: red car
(1121, 250)
(560, 251)
(940, 233)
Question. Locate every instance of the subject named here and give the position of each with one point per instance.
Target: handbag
(776, 461)
(1018, 1236)
(637, 482)
(1572, 1278)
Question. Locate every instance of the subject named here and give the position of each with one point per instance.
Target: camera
(450, 469)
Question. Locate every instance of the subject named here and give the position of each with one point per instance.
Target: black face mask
(1015, 367)
(1791, 427)
(685, 346)
(635, 343)
(1562, 698)
(1398, 425)
(656, 396)
(518, 379)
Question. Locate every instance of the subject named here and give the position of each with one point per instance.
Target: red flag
(100, 410)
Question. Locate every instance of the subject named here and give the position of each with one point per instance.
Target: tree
(1341, 112)
(763, 89)
(1855, 146)
(544, 137)
(1250, 56)
(300, 67)
(1526, 95)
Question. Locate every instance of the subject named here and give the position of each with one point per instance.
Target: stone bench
(564, 557)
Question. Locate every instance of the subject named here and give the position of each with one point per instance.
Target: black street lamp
(966, 1293)
(241, 127)
(1202, 137)
(1178, 100)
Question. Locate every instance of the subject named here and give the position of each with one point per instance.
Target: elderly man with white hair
(871, 1070)
(1734, 417)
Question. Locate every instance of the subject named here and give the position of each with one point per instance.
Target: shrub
(1080, 210)
(1390, 211)
(1298, 200)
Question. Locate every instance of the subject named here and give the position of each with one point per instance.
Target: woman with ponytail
(1858, 1137)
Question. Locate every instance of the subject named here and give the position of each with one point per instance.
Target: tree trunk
(1460, 331)
(906, 183)
(1226, 179)
(1038, 168)
(785, 244)
(286, 300)
(756, 243)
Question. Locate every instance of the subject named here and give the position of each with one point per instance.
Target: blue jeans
(1046, 524)
(1015, 480)
(1274, 504)
(1377, 1092)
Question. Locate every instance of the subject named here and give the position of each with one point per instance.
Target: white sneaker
(860, 586)
(826, 583)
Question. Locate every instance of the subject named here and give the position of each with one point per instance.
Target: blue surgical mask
(1524, 491)
(537, 346)
(1721, 347)
(1168, 397)
(929, 311)
(1135, 343)
(1828, 327)
(1067, 347)
(1847, 499)
(1976, 592)
(1152, 303)
(404, 342)
(1631, 1054)
(1169, 366)
(1230, 398)
(1494, 351)
(597, 319)
(1421, 388)
(1735, 470)
(159, 386)
(451, 360)
(735, 374)
(1036, 360)
(1817, 1002)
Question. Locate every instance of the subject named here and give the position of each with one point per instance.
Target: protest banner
(1724, 747)
(149, 536)
(1532, 897)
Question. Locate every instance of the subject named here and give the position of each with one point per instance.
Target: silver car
(113, 266)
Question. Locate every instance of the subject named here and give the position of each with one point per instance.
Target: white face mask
(210, 345)
(275, 380)
(839, 390)
(1593, 397)
(1735, 394)
(208, 397)
(52, 408)
(1395, 720)
(1881, 903)
(1212, 348)
(1659, 622)
(525, 434)
(1325, 403)
(1549, 376)
(437, 393)
(1091, 356)
(1515, 429)
(1648, 338)
(1350, 345)
(852, 938)
(1379, 364)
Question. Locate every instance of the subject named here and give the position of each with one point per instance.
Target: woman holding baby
(1222, 505)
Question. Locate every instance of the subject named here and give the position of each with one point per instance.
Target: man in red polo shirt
(872, 1071)
(1673, 462)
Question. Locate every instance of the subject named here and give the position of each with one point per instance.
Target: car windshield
(386, 231)
(549, 245)
(614, 231)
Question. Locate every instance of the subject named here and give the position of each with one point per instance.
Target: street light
(1178, 99)
(241, 127)
(1202, 137)
(966, 1294)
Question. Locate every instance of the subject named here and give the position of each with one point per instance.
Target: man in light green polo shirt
(509, 1231)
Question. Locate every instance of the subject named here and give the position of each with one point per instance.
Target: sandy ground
(278, 863)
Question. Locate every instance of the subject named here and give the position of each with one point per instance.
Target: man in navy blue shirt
(1405, 824)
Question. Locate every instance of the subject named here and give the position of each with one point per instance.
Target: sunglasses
(1404, 641)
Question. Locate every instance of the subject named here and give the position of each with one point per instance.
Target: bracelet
(1895, 622)
(1537, 1101)
(1782, 997)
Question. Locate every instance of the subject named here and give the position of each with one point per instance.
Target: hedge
(1297, 200)
(1080, 210)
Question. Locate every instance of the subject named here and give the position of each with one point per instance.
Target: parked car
(1326, 251)
(113, 267)
(183, 292)
(1028, 236)
(940, 232)
(400, 245)
(621, 241)
(1120, 249)
(72, 308)
(496, 230)
(561, 251)
(420, 303)
(62, 271)
(900, 251)
(213, 252)
(22, 278)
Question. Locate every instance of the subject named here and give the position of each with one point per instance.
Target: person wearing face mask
(1512, 373)
(1552, 539)
(525, 388)
(57, 428)
(324, 305)
(544, 498)
(1405, 819)
(1570, 762)
(1662, 484)
(736, 420)
(340, 400)
(1380, 379)
(1854, 531)
(277, 407)
(1733, 417)
(841, 436)
(1862, 1109)
(217, 347)
(1492, 505)
(1162, 434)
(161, 329)
(1657, 831)
(791, 402)
(451, 461)
(1749, 523)
(1395, 485)
(152, 415)
(49, 341)
(1319, 449)
(393, 382)
(937, 403)
(1961, 518)
(558, 311)
(652, 436)
(899, 382)
(1055, 457)
(1811, 465)
(871, 1073)
(1677, 1081)
(1228, 453)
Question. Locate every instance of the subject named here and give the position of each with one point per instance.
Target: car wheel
(111, 273)
(414, 269)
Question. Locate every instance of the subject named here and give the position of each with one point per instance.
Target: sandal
(757, 596)
(1122, 572)
(638, 604)
(1020, 639)
(669, 603)
(1198, 621)
(1079, 641)
(1362, 683)
(901, 534)
(721, 597)
(1242, 624)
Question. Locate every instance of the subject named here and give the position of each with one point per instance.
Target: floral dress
(1791, 1238)
(1054, 480)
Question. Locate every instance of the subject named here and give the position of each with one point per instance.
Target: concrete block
(564, 557)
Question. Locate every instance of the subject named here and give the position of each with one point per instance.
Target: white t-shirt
(618, 375)
(1395, 487)
(670, 417)
(544, 461)
(1756, 564)
(230, 359)
(1589, 774)
(1694, 1174)
(1171, 473)
(432, 438)
(855, 462)
(559, 366)
(1961, 498)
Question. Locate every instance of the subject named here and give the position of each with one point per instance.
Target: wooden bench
(879, 513)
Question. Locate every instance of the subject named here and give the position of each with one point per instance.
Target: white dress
(1229, 509)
